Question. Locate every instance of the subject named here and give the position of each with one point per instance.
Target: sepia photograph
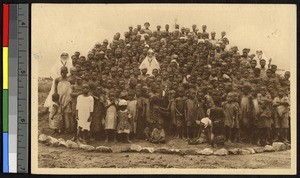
(163, 89)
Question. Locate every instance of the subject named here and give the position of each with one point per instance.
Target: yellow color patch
(5, 68)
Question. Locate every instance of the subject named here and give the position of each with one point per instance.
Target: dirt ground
(60, 157)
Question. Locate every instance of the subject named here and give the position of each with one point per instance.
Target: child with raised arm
(84, 111)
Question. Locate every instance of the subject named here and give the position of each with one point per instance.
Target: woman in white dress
(55, 73)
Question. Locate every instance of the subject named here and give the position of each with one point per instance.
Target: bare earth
(61, 157)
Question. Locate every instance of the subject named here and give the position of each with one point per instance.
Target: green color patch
(5, 111)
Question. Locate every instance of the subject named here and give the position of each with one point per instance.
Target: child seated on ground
(158, 134)
(205, 126)
(55, 115)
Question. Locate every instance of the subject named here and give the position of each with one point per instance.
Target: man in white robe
(150, 62)
(55, 73)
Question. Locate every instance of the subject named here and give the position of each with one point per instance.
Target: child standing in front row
(124, 119)
(232, 112)
(55, 115)
(111, 116)
(84, 111)
(132, 109)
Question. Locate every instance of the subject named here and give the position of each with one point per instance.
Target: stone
(288, 146)
(190, 152)
(244, 152)
(233, 151)
(135, 148)
(103, 149)
(86, 147)
(62, 142)
(207, 151)
(71, 144)
(259, 149)
(147, 150)
(279, 146)
(269, 148)
(42, 138)
(252, 151)
(163, 150)
(177, 151)
(52, 141)
(221, 152)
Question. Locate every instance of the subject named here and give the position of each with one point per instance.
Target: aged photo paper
(163, 89)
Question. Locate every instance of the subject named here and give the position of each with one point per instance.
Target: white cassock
(260, 55)
(55, 73)
(150, 64)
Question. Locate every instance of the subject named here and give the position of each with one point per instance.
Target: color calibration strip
(5, 88)
(13, 87)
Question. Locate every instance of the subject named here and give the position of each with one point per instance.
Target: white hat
(122, 102)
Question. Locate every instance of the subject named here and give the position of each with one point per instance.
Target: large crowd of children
(203, 85)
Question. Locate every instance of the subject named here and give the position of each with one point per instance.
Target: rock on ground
(244, 152)
(71, 144)
(62, 142)
(233, 151)
(206, 151)
(221, 152)
(135, 148)
(279, 146)
(163, 150)
(86, 147)
(251, 150)
(189, 152)
(147, 150)
(103, 149)
(259, 149)
(42, 138)
(269, 148)
(52, 141)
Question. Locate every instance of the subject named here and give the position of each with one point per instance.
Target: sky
(58, 28)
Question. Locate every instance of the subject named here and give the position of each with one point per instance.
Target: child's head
(64, 71)
(200, 95)
(144, 71)
(180, 91)
(79, 80)
(55, 97)
(86, 88)
(155, 72)
(73, 71)
(230, 97)
(280, 92)
(122, 83)
(122, 105)
(94, 75)
(192, 94)
(112, 95)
